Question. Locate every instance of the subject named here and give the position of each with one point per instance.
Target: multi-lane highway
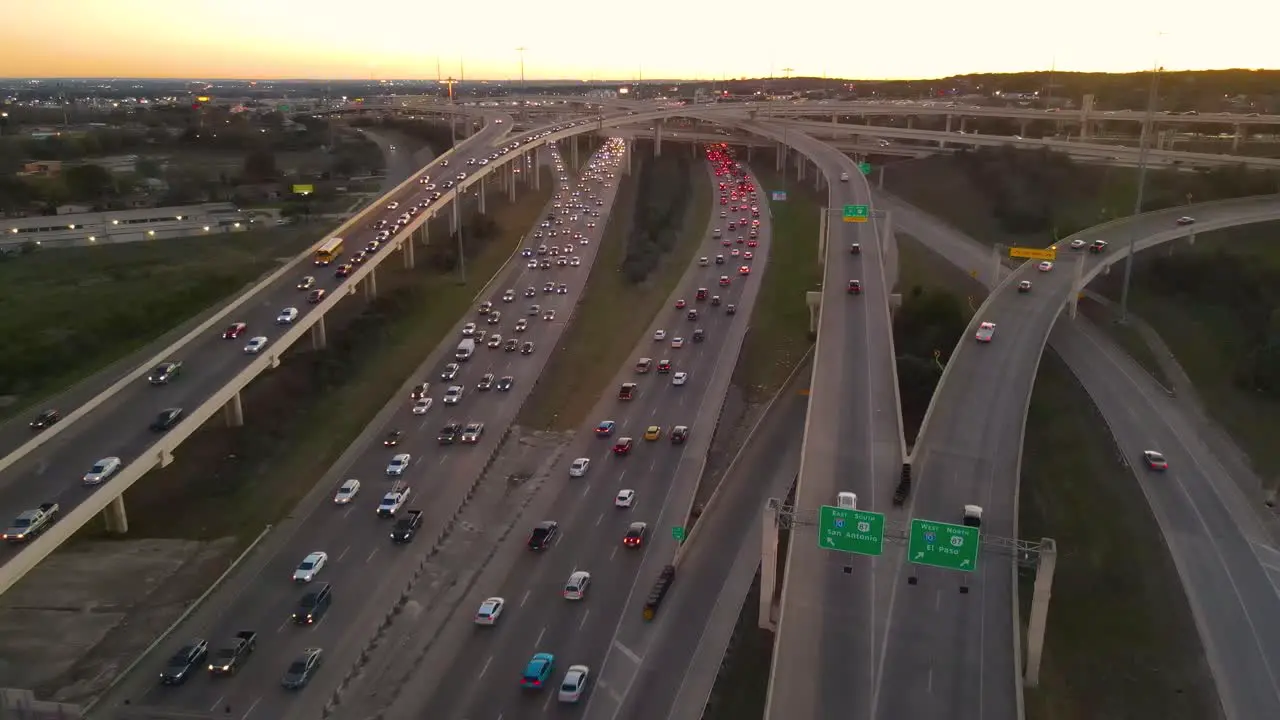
(365, 569)
(1216, 541)
(119, 427)
(824, 651)
(475, 671)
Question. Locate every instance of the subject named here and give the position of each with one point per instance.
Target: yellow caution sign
(1033, 253)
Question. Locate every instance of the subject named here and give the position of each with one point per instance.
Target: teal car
(538, 671)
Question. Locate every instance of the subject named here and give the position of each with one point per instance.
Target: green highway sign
(865, 167)
(677, 533)
(856, 213)
(944, 545)
(851, 531)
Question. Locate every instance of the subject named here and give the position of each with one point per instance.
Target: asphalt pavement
(825, 646)
(119, 427)
(1226, 559)
(365, 569)
(474, 672)
(951, 653)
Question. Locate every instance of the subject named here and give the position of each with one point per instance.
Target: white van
(844, 177)
(847, 500)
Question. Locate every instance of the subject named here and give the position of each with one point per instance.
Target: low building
(123, 225)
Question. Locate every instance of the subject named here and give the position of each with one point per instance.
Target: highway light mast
(521, 50)
(1143, 151)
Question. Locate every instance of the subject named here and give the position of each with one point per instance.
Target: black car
(313, 605)
(179, 667)
(505, 383)
(393, 438)
(46, 419)
(526, 348)
(165, 372)
(699, 335)
(450, 433)
(543, 535)
(301, 670)
(486, 382)
(166, 419)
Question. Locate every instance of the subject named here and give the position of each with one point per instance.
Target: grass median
(613, 313)
(72, 312)
(302, 416)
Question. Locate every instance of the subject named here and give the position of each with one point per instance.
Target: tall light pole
(1142, 185)
(521, 51)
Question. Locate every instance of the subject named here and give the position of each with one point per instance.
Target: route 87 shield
(851, 531)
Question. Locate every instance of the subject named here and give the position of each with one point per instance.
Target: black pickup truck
(406, 527)
(231, 656)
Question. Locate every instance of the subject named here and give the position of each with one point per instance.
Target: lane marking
(583, 621)
(342, 554)
(627, 652)
(525, 598)
(599, 519)
(216, 703)
(541, 632)
(485, 669)
(249, 712)
(371, 554)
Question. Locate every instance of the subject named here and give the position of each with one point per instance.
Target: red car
(622, 447)
(344, 270)
(1155, 461)
(235, 331)
(855, 287)
(724, 279)
(702, 295)
(680, 304)
(752, 243)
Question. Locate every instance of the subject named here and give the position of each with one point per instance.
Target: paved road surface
(366, 570)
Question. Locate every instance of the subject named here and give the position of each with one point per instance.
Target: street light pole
(521, 51)
(1143, 151)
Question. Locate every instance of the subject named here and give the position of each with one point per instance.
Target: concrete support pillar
(1077, 287)
(1048, 560)
(964, 124)
(911, 122)
(116, 518)
(943, 143)
(835, 119)
(406, 250)
(319, 338)
(424, 234)
(768, 566)
(880, 181)
(948, 128)
(511, 182)
(813, 299)
(1191, 238)
(1022, 127)
(1086, 109)
(537, 168)
(1235, 139)
(749, 146)
(573, 153)
(481, 193)
(657, 138)
(455, 217)
(780, 158)
(886, 232)
(371, 284)
(626, 150)
(233, 411)
(817, 179)
(824, 218)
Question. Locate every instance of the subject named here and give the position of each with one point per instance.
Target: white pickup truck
(393, 500)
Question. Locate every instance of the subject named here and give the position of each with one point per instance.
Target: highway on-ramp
(824, 648)
(365, 569)
(1227, 563)
(475, 671)
(119, 426)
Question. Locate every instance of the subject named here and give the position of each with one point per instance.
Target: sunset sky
(610, 40)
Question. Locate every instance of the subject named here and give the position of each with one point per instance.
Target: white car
(469, 329)
(509, 296)
(490, 610)
(102, 471)
(1077, 244)
(398, 465)
(422, 406)
(579, 467)
(677, 343)
(679, 378)
(392, 501)
(532, 265)
(453, 395)
(625, 499)
(310, 567)
(574, 684)
(704, 261)
(495, 341)
(393, 205)
(287, 316)
(549, 315)
(347, 492)
(255, 345)
(985, 332)
(659, 335)
(575, 588)
(1045, 266)
(575, 261)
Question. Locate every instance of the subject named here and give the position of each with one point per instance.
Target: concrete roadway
(1226, 560)
(366, 570)
(952, 653)
(825, 649)
(474, 672)
(119, 426)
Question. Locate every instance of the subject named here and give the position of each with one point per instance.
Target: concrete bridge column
(319, 338)
(1077, 287)
(886, 230)
(233, 412)
(371, 284)
(1235, 139)
(824, 227)
(835, 119)
(768, 566)
(424, 234)
(813, 299)
(657, 138)
(116, 518)
(964, 122)
(911, 122)
(537, 168)
(1086, 109)
(943, 142)
(511, 182)
(455, 218)
(780, 157)
(406, 250)
(481, 193)
(1022, 127)
(573, 153)
(1048, 560)
(880, 179)
(749, 146)
(997, 256)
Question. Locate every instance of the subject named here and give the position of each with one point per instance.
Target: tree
(88, 182)
(260, 165)
(148, 168)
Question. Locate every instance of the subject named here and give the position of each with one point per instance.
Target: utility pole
(521, 51)
(1143, 151)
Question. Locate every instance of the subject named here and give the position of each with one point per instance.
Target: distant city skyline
(252, 39)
